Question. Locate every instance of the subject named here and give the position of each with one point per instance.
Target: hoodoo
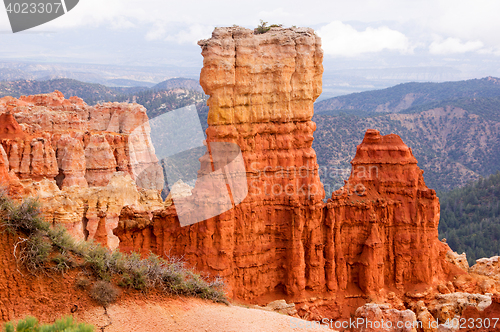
(262, 89)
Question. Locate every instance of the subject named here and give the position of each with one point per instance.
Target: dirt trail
(191, 315)
(49, 296)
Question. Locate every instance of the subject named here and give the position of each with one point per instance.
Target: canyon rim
(370, 250)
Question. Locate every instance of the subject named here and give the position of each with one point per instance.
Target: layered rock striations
(65, 152)
(262, 89)
(384, 221)
(374, 237)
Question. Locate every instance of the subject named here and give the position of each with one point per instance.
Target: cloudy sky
(358, 34)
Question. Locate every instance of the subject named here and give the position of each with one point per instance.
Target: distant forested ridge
(165, 96)
(409, 96)
(470, 218)
(453, 129)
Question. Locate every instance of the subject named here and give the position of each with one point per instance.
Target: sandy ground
(191, 315)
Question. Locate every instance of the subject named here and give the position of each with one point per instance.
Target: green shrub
(24, 217)
(46, 248)
(263, 27)
(62, 261)
(61, 238)
(98, 259)
(104, 293)
(31, 324)
(35, 253)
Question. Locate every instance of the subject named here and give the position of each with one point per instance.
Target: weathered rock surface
(449, 306)
(71, 162)
(425, 318)
(279, 306)
(384, 221)
(488, 267)
(4, 167)
(114, 137)
(483, 320)
(458, 260)
(56, 148)
(262, 89)
(373, 317)
(377, 235)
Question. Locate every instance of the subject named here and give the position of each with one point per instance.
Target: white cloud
(156, 32)
(122, 23)
(468, 20)
(192, 35)
(454, 45)
(275, 14)
(179, 33)
(341, 39)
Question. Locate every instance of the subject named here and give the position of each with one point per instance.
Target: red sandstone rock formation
(52, 143)
(33, 127)
(474, 319)
(4, 168)
(262, 89)
(9, 128)
(384, 221)
(377, 234)
(71, 162)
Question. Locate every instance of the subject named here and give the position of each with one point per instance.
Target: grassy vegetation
(31, 324)
(263, 27)
(45, 248)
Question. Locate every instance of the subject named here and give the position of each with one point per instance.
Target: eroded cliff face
(262, 89)
(375, 239)
(384, 221)
(77, 160)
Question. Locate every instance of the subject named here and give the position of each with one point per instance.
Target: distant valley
(453, 128)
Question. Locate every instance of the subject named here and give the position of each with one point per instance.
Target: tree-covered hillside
(470, 218)
(453, 129)
(183, 83)
(404, 96)
(451, 145)
(165, 96)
